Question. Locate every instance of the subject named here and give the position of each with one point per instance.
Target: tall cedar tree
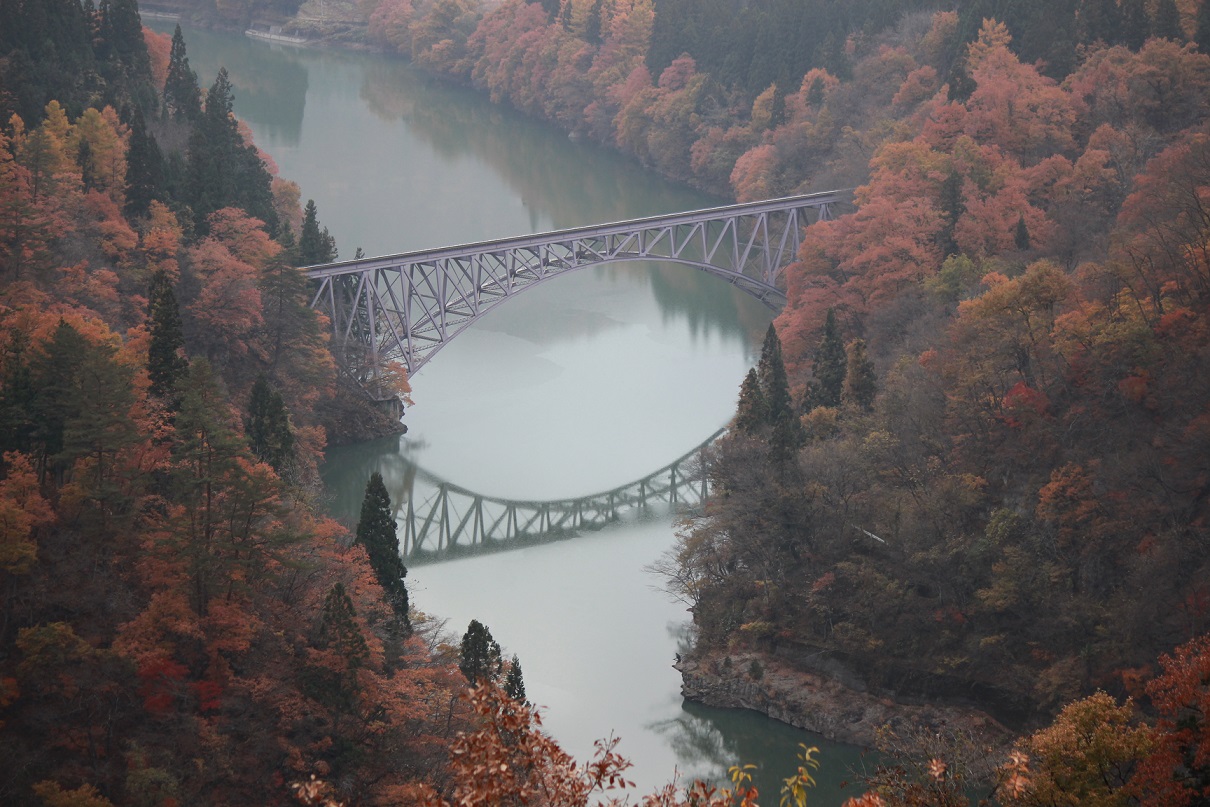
(144, 169)
(314, 245)
(1136, 27)
(1202, 35)
(339, 633)
(223, 170)
(860, 383)
(165, 362)
(1021, 236)
(268, 427)
(787, 434)
(828, 368)
(514, 681)
(16, 395)
(1167, 23)
(82, 408)
(46, 53)
(752, 413)
(376, 532)
(182, 94)
(479, 656)
(121, 41)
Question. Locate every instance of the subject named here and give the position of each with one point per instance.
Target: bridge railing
(406, 307)
(821, 201)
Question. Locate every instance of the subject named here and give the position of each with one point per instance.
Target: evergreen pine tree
(860, 383)
(377, 533)
(953, 208)
(752, 413)
(144, 169)
(479, 655)
(338, 628)
(88, 179)
(123, 52)
(1167, 24)
(82, 408)
(315, 246)
(165, 363)
(786, 435)
(182, 94)
(1136, 27)
(1202, 36)
(1021, 236)
(268, 426)
(514, 682)
(771, 373)
(17, 395)
(223, 171)
(340, 633)
(829, 365)
(1098, 20)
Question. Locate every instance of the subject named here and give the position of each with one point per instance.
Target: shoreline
(821, 703)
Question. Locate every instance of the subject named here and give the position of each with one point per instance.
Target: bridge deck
(591, 231)
(406, 307)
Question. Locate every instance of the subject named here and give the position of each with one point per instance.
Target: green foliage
(17, 395)
(376, 531)
(752, 413)
(479, 655)
(144, 170)
(1167, 22)
(315, 246)
(860, 381)
(514, 682)
(165, 360)
(785, 433)
(1021, 236)
(223, 171)
(1202, 35)
(182, 95)
(957, 275)
(82, 410)
(268, 426)
(829, 366)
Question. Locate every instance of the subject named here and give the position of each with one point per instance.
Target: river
(577, 386)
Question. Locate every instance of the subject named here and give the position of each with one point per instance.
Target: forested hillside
(181, 625)
(971, 464)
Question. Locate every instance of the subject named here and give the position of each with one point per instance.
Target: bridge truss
(404, 308)
(452, 520)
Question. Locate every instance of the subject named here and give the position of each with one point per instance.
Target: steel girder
(407, 307)
(452, 519)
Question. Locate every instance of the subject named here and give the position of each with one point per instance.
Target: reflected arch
(447, 520)
(404, 308)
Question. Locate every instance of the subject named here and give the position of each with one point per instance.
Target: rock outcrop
(821, 703)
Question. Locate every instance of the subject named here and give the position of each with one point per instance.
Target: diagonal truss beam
(451, 519)
(407, 307)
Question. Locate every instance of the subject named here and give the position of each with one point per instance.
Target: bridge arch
(440, 519)
(406, 307)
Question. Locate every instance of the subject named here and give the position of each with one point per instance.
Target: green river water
(580, 385)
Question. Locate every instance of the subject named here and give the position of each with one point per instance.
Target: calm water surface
(577, 386)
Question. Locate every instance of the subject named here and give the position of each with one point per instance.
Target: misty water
(580, 385)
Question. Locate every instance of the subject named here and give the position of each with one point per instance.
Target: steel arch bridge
(404, 308)
(452, 520)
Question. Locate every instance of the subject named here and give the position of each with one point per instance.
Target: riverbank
(822, 703)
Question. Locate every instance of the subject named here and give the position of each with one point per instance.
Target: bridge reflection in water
(439, 520)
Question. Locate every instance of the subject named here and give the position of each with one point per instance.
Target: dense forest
(971, 463)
